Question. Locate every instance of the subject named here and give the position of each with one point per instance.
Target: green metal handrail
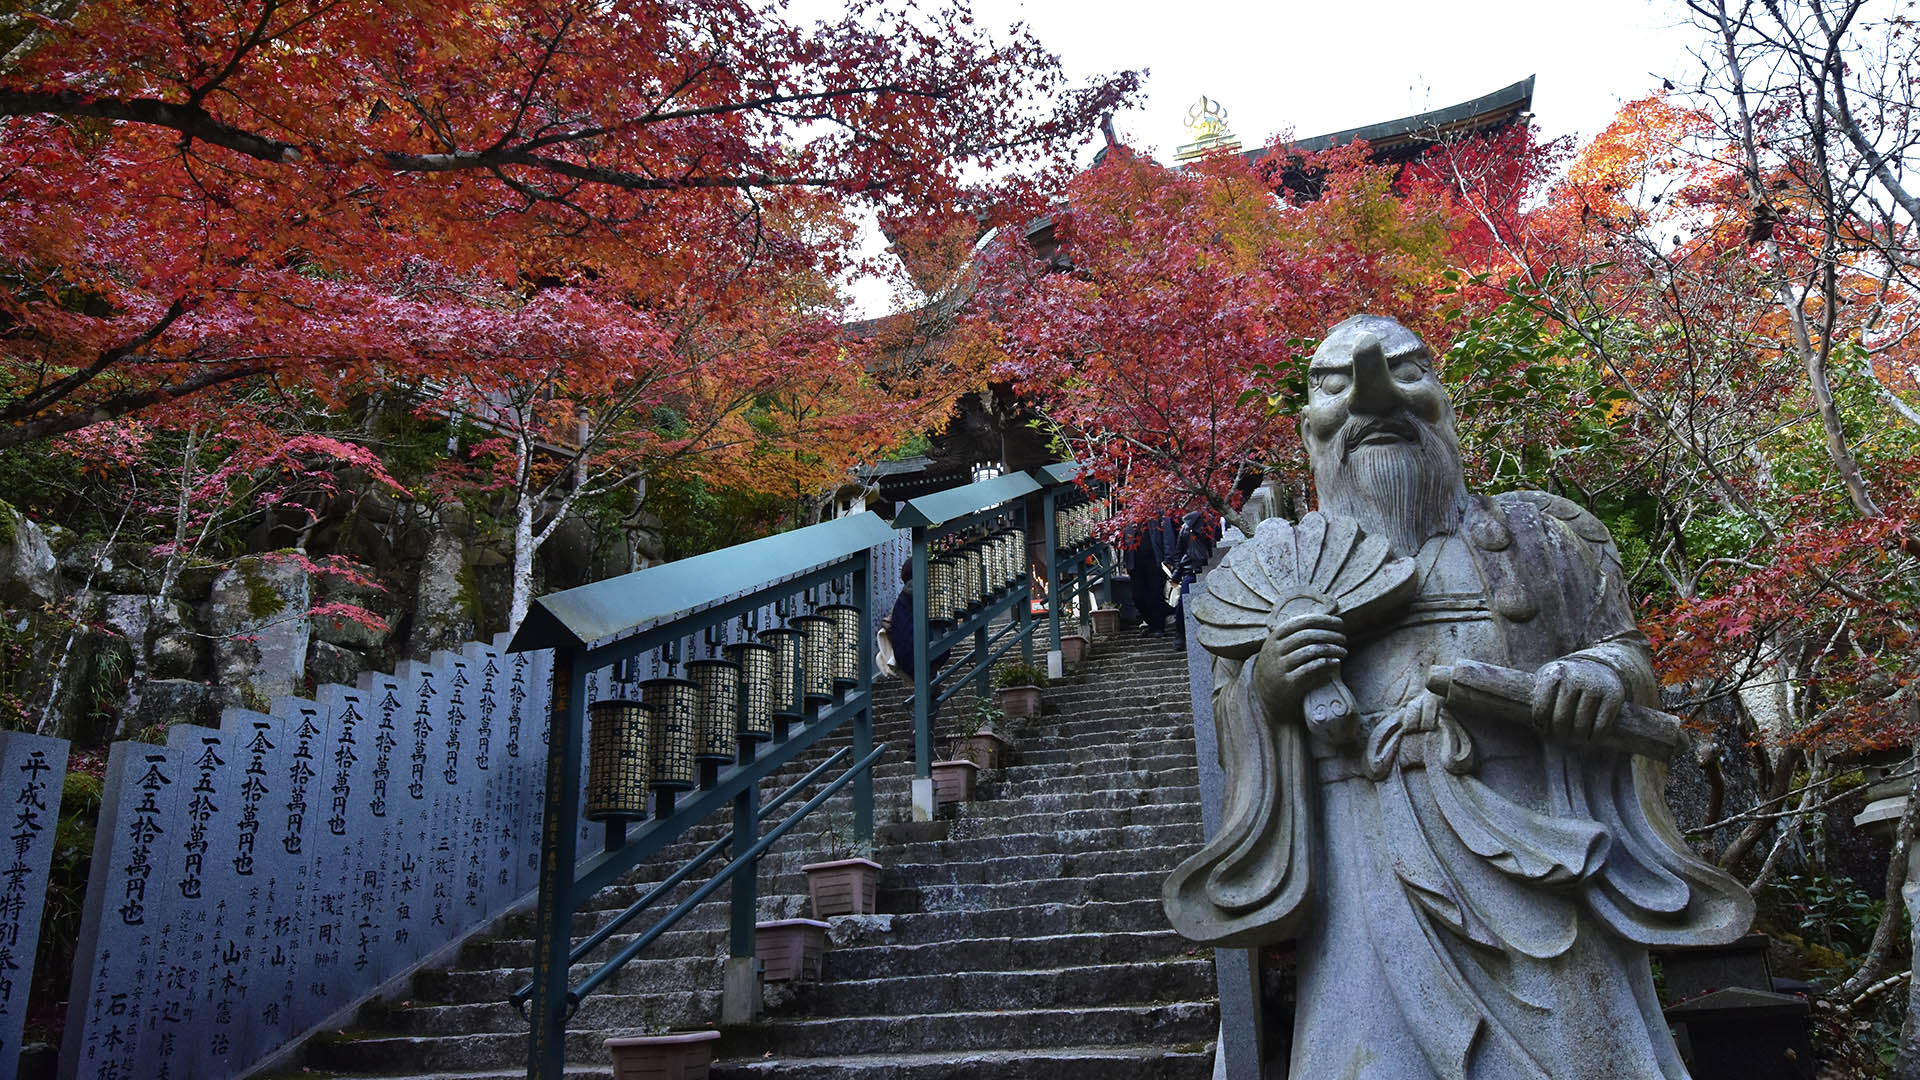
(692, 866)
(620, 619)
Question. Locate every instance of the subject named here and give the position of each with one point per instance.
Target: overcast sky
(1320, 67)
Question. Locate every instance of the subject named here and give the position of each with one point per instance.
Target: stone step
(469, 986)
(990, 991)
(678, 1009)
(1031, 763)
(1069, 890)
(1191, 1022)
(868, 952)
(1164, 1025)
(901, 875)
(1187, 1062)
(864, 949)
(1045, 918)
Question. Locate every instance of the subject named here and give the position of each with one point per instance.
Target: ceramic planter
(1073, 649)
(685, 1056)
(953, 781)
(843, 886)
(790, 950)
(1020, 700)
(1106, 621)
(987, 748)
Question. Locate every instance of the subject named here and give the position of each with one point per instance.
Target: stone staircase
(1021, 938)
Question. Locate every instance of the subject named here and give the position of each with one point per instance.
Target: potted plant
(790, 950)
(1106, 620)
(953, 778)
(685, 1055)
(847, 881)
(981, 740)
(1020, 684)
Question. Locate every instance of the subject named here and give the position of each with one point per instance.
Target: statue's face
(1380, 433)
(1371, 382)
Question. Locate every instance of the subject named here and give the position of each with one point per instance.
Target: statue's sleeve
(1249, 884)
(1651, 888)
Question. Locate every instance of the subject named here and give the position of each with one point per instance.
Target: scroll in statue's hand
(1301, 652)
(1577, 700)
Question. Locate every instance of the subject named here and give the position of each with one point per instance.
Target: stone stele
(1444, 770)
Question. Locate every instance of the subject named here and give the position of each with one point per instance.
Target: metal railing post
(1025, 613)
(922, 689)
(559, 838)
(863, 593)
(1055, 590)
(740, 980)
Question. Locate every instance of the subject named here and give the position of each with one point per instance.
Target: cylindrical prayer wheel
(846, 652)
(785, 643)
(818, 640)
(756, 688)
(939, 589)
(717, 728)
(619, 765)
(966, 588)
(676, 716)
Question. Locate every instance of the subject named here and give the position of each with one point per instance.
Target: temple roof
(1484, 113)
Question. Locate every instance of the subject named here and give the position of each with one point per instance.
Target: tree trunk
(524, 546)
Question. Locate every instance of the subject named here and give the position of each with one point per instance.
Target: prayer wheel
(818, 640)
(939, 589)
(716, 734)
(846, 652)
(785, 684)
(676, 716)
(756, 688)
(619, 765)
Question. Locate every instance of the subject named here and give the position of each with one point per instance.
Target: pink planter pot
(1073, 649)
(986, 749)
(790, 950)
(953, 781)
(1106, 621)
(686, 1056)
(1020, 700)
(843, 886)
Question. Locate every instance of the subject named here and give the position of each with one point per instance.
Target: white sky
(1322, 67)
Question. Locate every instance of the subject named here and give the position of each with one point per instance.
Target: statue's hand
(1577, 700)
(1300, 653)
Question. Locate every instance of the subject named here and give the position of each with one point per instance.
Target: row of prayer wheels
(1075, 525)
(658, 741)
(965, 578)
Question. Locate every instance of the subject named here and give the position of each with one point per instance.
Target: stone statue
(1444, 779)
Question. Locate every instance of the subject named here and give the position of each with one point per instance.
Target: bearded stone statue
(1444, 769)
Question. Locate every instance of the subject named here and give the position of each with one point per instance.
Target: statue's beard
(1404, 491)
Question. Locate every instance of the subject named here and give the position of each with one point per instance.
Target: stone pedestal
(1744, 1034)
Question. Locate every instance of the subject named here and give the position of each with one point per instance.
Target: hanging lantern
(846, 650)
(756, 688)
(818, 639)
(939, 590)
(675, 718)
(618, 764)
(716, 731)
(785, 683)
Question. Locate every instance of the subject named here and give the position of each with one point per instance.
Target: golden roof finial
(1207, 119)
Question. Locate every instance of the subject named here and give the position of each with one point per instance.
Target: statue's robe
(1468, 899)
